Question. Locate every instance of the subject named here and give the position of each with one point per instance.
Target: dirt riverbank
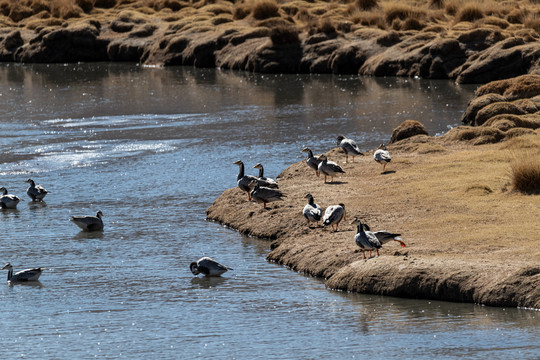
(469, 236)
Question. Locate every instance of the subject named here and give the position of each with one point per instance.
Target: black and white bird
(312, 161)
(208, 266)
(263, 180)
(382, 156)
(36, 192)
(312, 212)
(264, 195)
(349, 147)
(8, 201)
(329, 168)
(365, 239)
(385, 236)
(333, 216)
(89, 223)
(23, 275)
(243, 180)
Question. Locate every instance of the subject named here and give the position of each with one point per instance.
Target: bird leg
(370, 253)
(378, 252)
(318, 173)
(364, 253)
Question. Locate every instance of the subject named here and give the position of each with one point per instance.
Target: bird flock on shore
(260, 189)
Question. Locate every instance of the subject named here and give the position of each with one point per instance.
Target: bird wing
(314, 212)
(335, 214)
(382, 155)
(210, 263)
(28, 274)
(385, 236)
(268, 193)
(351, 147)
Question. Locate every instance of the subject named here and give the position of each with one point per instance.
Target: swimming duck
(312, 161)
(36, 192)
(365, 239)
(385, 236)
(329, 168)
(333, 216)
(208, 267)
(348, 146)
(265, 181)
(382, 156)
(8, 201)
(244, 180)
(23, 275)
(263, 194)
(312, 212)
(89, 223)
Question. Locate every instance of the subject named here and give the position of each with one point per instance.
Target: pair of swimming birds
(10, 201)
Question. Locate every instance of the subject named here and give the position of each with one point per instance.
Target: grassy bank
(472, 235)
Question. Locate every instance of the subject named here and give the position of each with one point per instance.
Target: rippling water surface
(151, 149)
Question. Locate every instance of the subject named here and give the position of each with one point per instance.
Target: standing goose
(348, 146)
(208, 267)
(265, 181)
(36, 192)
(244, 180)
(8, 201)
(385, 236)
(89, 223)
(329, 168)
(23, 275)
(382, 156)
(312, 212)
(333, 216)
(312, 161)
(365, 239)
(264, 194)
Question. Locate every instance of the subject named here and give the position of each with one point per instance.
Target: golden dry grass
(343, 15)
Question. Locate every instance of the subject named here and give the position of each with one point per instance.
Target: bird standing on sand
(312, 212)
(365, 239)
(263, 180)
(208, 266)
(333, 215)
(23, 275)
(243, 180)
(329, 168)
(8, 201)
(263, 194)
(312, 161)
(36, 192)
(349, 147)
(89, 223)
(382, 156)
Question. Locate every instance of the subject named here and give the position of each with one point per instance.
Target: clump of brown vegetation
(525, 172)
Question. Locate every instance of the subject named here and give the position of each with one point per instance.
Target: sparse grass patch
(284, 35)
(264, 9)
(532, 22)
(400, 11)
(525, 172)
(470, 12)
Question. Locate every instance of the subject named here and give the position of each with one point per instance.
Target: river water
(152, 148)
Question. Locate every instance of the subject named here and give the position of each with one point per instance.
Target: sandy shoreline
(469, 238)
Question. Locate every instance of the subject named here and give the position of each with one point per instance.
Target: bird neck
(261, 172)
(310, 153)
(10, 274)
(311, 201)
(241, 172)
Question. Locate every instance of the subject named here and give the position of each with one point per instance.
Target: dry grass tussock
(339, 16)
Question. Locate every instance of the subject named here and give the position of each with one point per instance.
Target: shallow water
(152, 148)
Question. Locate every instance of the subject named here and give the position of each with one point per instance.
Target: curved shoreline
(442, 260)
